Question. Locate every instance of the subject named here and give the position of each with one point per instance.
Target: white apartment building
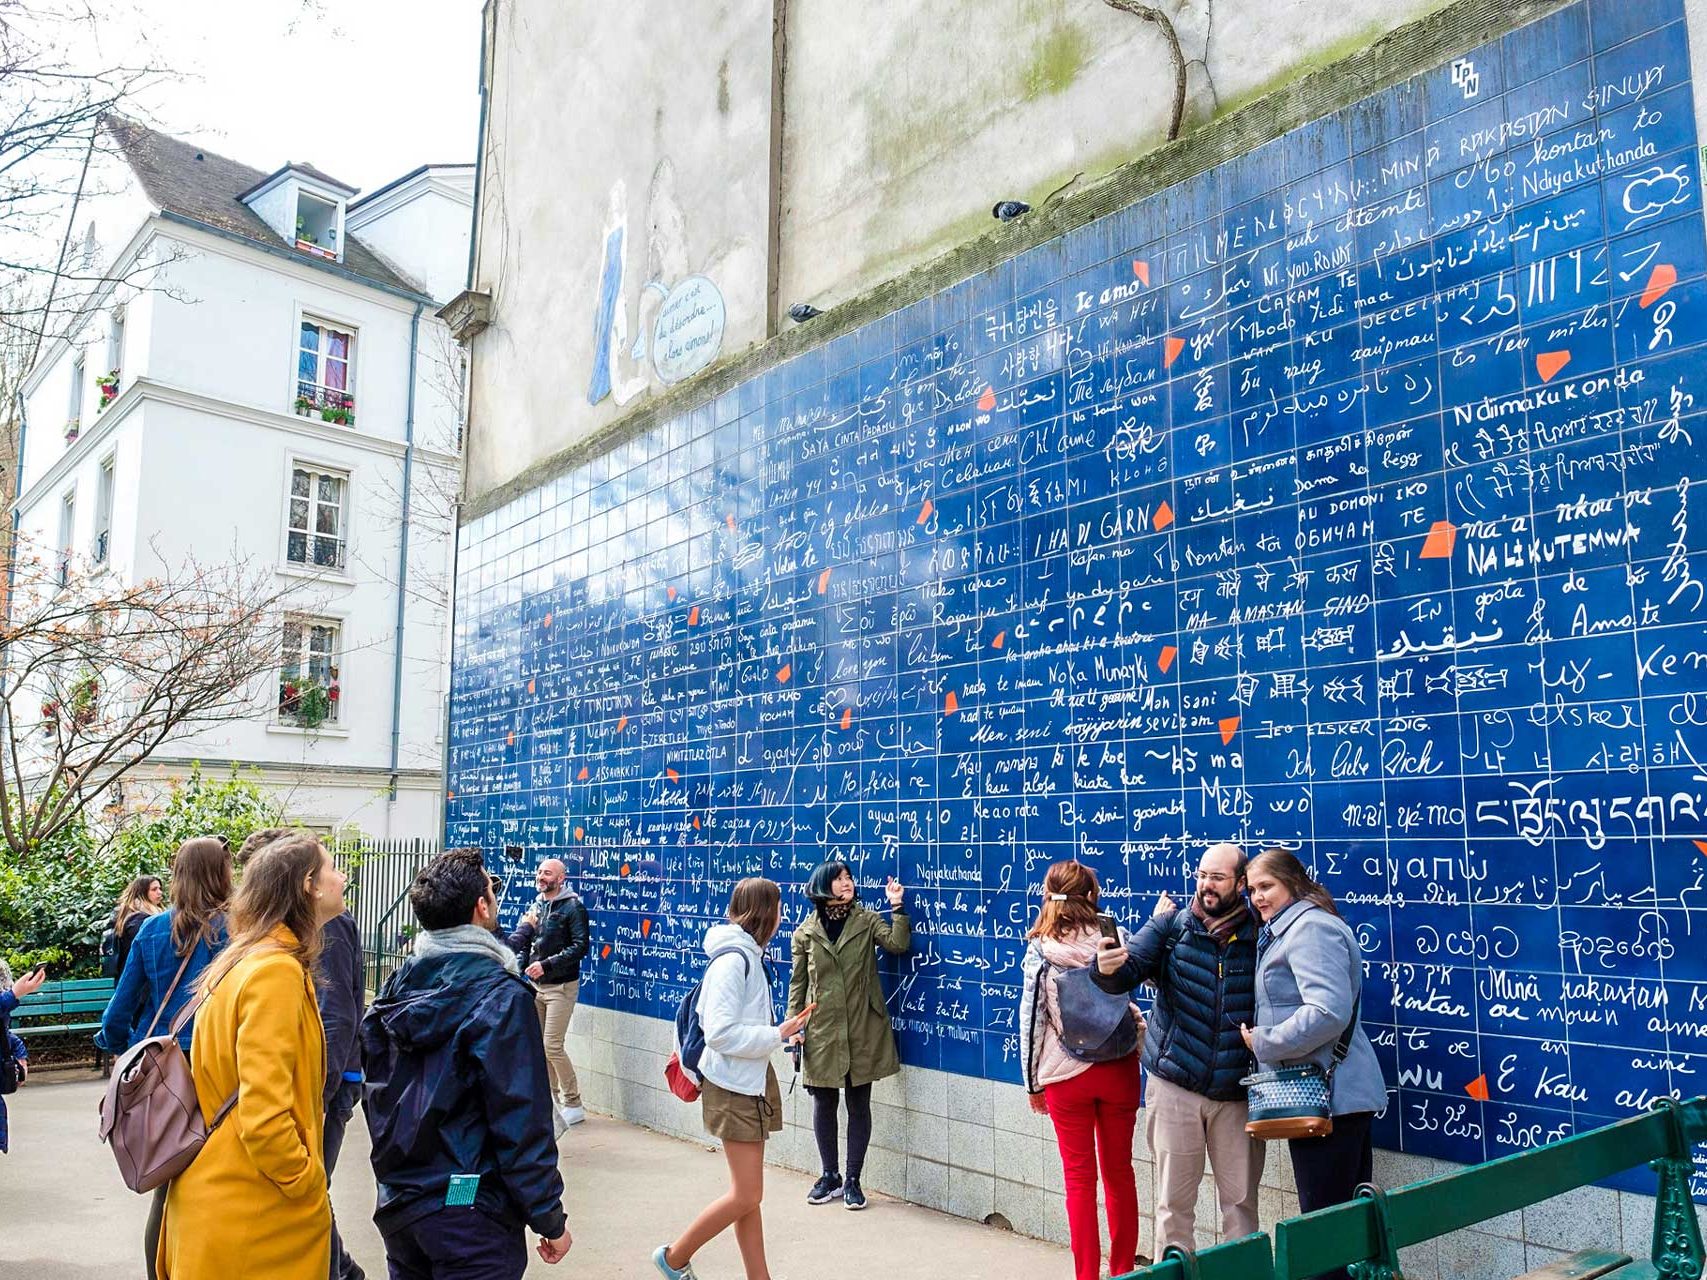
(279, 390)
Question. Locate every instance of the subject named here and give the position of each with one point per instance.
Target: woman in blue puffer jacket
(159, 978)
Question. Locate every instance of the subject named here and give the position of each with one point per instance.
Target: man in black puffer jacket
(1202, 963)
(456, 1096)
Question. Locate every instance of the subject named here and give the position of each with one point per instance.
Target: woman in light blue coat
(1309, 984)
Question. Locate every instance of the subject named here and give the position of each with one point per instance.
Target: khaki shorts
(740, 1117)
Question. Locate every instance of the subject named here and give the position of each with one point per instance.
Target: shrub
(56, 902)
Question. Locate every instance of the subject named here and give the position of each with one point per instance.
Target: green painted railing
(1366, 1234)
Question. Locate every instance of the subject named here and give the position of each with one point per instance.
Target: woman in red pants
(1093, 1105)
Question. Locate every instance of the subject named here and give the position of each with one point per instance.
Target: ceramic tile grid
(1345, 495)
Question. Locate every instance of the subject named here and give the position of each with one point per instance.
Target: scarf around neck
(465, 939)
(1224, 926)
(835, 917)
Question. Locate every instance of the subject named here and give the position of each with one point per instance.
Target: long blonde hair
(277, 889)
(134, 902)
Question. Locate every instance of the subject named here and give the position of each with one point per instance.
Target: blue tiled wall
(1345, 495)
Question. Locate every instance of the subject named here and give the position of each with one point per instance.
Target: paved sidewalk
(66, 1215)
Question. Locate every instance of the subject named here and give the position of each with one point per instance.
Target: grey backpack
(1096, 1026)
(150, 1115)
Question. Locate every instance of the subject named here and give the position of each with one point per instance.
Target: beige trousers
(1182, 1128)
(555, 1002)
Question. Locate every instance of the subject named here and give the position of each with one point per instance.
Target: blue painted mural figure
(1348, 493)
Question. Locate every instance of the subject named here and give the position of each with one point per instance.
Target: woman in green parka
(849, 1041)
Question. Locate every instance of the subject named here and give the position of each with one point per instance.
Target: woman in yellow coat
(254, 1205)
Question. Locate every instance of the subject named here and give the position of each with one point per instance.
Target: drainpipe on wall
(17, 493)
(403, 553)
(12, 546)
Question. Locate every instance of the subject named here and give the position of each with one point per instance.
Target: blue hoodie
(456, 1082)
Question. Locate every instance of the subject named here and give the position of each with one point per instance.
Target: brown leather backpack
(150, 1115)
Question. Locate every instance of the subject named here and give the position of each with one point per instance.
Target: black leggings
(1329, 1170)
(824, 1125)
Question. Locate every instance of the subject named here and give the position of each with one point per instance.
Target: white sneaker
(559, 1126)
(572, 1115)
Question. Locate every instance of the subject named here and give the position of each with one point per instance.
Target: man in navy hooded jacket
(456, 1094)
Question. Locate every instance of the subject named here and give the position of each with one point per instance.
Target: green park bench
(1368, 1232)
(61, 1008)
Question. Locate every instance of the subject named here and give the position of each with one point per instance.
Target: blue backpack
(681, 1072)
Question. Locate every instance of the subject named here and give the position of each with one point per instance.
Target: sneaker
(828, 1186)
(852, 1196)
(558, 1126)
(572, 1115)
(666, 1270)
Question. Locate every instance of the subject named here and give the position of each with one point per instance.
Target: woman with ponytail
(170, 953)
(1093, 1105)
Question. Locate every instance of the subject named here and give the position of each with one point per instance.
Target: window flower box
(109, 388)
(306, 703)
(72, 430)
(332, 406)
(85, 700)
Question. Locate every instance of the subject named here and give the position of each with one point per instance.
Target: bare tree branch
(55, 92)
(1150, 13)
(97, 676)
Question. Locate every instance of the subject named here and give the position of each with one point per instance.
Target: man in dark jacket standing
(551, 942)
(1202, 963)
(455, 1094)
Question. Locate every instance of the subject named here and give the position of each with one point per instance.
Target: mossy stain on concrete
(1057, 61)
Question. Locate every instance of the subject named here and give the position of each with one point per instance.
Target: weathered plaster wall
(904, 124)
(646, 121)
(898, 127)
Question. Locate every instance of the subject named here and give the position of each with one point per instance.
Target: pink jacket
(1042, 1058)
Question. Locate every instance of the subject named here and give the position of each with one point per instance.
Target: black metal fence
(380, 876)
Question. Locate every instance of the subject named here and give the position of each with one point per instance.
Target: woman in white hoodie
(740, 1100)
(1093, 1106)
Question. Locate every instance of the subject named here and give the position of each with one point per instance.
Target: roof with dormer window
(203, 186)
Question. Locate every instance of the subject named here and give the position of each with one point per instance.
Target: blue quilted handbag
(1296, 1102)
